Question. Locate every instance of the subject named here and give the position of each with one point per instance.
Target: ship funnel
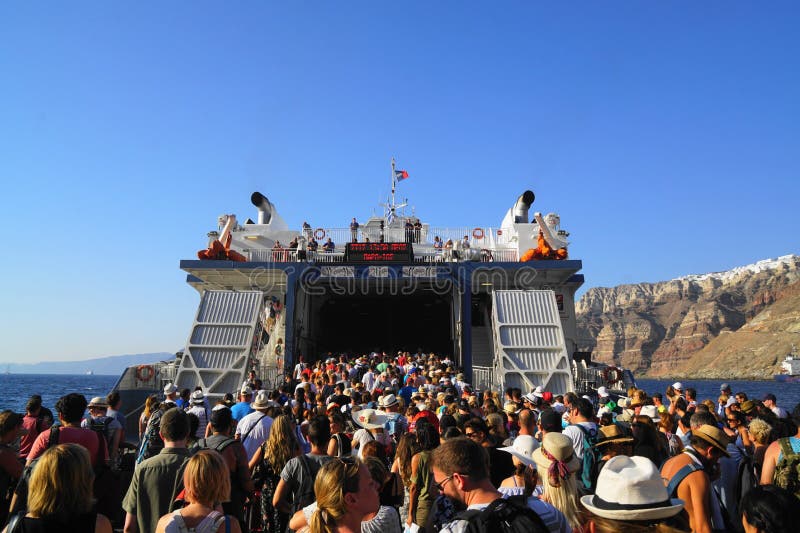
(265, 208)
(520, 209)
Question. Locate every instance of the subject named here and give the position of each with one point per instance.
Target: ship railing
(487, 255)
(482, 377)
(478, 236)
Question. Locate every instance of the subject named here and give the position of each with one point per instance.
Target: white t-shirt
(257, 435)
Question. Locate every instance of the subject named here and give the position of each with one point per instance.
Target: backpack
(510, 515)
(787, 471)
(22, 485)
(591, 456)
(305, 491)
(100, 426)
(746, 477)
(151, 440)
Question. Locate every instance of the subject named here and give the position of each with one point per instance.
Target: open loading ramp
(529, 341)
(220, 343)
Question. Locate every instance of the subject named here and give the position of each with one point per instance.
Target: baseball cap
(770, 397)
(170, 388)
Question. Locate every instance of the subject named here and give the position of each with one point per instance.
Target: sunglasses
(474, 434)
(440, 485)
(733, 419)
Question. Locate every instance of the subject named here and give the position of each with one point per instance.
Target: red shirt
(31, 423)
(85, 437)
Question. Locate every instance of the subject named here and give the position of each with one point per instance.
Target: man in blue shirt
(243, 408)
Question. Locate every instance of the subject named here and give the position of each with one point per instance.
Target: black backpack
(746, 478)
(510, 515)
(100, 426)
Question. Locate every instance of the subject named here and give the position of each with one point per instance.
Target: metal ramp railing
(529, 342)
(218, 351)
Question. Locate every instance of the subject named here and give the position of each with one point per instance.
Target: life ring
(145, 372)
(477, 233)
(319, 234)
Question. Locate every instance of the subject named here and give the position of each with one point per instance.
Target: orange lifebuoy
(145, 372)
(319, 234)
(478, 233)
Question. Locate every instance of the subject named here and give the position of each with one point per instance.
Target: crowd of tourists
(397, 443)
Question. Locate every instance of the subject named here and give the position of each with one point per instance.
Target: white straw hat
(630, 488)
(523, 448)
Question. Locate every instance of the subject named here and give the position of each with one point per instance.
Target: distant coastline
(112, 365)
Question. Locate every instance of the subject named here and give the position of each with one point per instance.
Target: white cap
(677, 385)
(602, 392)
(170, 388)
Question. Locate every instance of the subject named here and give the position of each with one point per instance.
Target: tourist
(267, 464)
(383, 520)
(11, 428)
(207, 482)
(150, 406)
(771, 403)
(461, 472)
(198, 408)
(502, 465)
(707, 444)
(770, 509)
(611, 442)
(372, 423)
(253, 429)
(557, 463)
(346, 495)
(156, 481)
(297, 477)
(235, 457)
(421, 492)
(777, 451)
(37, 419)
(242, 407)
(631, 497)
(524, 479)
(105, 425)
(61, 495)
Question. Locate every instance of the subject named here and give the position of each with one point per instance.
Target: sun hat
(677, 385)
(511, 408)
(369, 418)
(388, 401)
(98, 401)
(262, 400)
(748, 407)
(246, 391)
(631, 488)
(198, 397)
(714, 436)
(561, 461)
(463, 405)
(610, 435)
(523, 448)
(170, 388)
(651, 411)
(602, 392)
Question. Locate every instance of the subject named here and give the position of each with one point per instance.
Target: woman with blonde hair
(207, 482)
(556, 464)
(150, 405)
(346, 494)
(60, 495)
(266, 466)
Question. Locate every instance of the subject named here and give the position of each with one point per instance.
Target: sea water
(15, 389)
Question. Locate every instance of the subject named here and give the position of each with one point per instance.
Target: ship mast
(390, 208)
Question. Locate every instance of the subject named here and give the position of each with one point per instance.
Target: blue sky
(665, 134)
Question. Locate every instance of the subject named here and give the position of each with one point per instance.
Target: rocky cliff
(734, 324)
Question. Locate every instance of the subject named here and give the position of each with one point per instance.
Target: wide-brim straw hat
(560, 447)
(370, 418)
(714, 436)
(262, 401)
(98, 401)
(610, 435)
(523, 448)
(631, 488)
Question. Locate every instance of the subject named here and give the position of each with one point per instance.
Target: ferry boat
(498, 300)
(790, 368)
